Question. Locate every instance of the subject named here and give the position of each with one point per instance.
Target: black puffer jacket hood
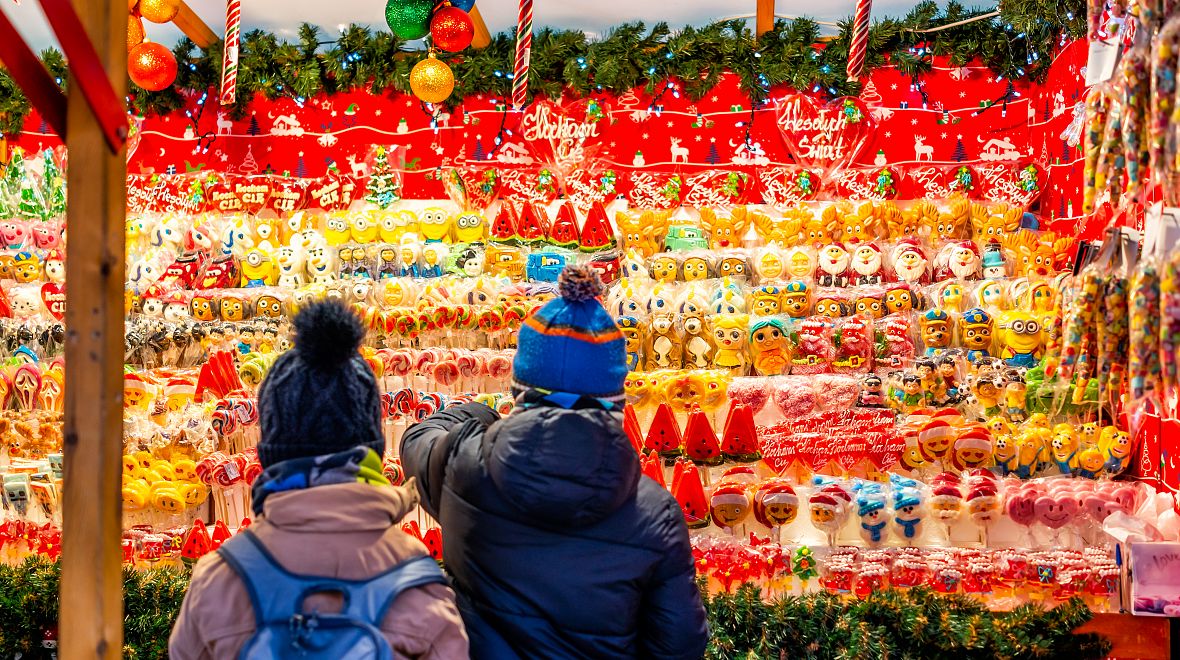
(563, 467)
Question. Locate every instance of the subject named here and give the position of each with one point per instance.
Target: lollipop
(824, 510)
(775, 504)
(947, 501)
(729, 505)
(873, 520)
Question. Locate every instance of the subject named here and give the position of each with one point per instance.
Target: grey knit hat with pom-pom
(320, 397)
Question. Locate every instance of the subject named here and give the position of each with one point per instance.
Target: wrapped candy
(753, 393)
(815, 347)
(770, 346)
(873, 519)
(855, 336)
(775, 504)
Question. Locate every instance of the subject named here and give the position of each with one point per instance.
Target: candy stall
(900, 323)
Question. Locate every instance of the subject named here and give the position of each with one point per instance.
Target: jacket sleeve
(672, 619)
(186, 642)
(427, 446)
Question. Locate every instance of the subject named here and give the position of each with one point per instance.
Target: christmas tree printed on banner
(253, 129)
(713, 158)
(384, 188)
(249, 165)
(960, 153)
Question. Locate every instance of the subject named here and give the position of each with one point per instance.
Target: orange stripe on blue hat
(554, 330)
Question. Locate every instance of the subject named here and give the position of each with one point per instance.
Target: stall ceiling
(284, 16)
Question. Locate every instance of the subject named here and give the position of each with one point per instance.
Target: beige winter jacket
(348, 531)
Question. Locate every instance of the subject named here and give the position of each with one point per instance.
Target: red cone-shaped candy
(653, 467)
(700, 442)
(739, 441)
(197, 543)
(530, 226)
(220, 535)
(564, 232)
(597, 234)
(664, 435)
(690, 494)
(503, 229)
(631, 428)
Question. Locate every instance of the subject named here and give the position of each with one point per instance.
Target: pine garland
(1019, 44)
(893, 624)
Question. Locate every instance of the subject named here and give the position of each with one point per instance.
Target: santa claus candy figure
(909, 262)
(866, 264)
(833, 265)
(730, 504)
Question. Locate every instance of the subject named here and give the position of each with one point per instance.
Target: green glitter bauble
(409, 19)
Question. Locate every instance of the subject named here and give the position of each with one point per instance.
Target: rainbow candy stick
(1143, 364)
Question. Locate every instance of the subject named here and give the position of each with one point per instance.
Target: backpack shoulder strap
(371, 600)
(274, 591)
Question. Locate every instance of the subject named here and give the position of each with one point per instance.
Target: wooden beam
(764, 19)
(482, 38)
(91, 619)
(193, 27)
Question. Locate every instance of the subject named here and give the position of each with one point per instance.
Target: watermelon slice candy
(690, 494)
(739, 440)
(564, 231)
(597, 233)
(700, 441)
(631, 428)
(653, 468)
(531, 225)
(197, 543)
(663, 437)
(503, 229)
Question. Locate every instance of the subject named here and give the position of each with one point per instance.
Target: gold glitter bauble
(134, 31)
(432, 80)
(151, 66)
(159, 11)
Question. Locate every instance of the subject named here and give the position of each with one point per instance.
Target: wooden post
(91, 619)
(482, 38)
(193, 27)
(764, 19)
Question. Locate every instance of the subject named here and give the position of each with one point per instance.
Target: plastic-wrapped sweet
(815, 348)
(794, 396)
(836, 392)
(855, 354)
(750, 392)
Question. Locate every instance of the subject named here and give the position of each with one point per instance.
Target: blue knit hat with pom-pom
(320, 397)
(572, 344)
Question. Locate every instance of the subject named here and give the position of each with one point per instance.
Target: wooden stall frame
(91, 614)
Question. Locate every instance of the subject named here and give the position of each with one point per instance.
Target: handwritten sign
(1155, 579)
(828, 137)
(845, 437)
(565, 136)
(788, 186)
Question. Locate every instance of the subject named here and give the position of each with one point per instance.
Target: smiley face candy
(729, 504)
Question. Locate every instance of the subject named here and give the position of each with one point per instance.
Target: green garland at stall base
(893, 624)
(1019, 44)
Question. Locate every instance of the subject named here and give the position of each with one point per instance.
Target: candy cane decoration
(229, 59)
(860, 39)
(524, 47)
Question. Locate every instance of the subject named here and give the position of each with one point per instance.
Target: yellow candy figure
(434, 224)
(364, 228)
(1115, 445)
(1090, 462)
(258, 269)
(337, 230)
(470, 228)
(1021, 336)
(664, 268)
(1064, 448)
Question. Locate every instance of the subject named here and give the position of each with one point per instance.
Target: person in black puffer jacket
(558, 547)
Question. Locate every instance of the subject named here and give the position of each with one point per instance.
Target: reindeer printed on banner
(922, 149)
(679, 153)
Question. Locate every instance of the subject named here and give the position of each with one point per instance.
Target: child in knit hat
(557, 546)
(322, 509)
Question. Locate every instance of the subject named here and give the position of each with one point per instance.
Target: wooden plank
(482, 38)
(764, 18)
(194, 27)
(1133, 637)
(91, 622)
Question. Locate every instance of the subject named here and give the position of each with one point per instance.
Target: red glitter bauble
(151, 66)
(451, 29)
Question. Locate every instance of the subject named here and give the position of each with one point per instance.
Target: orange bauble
(134, 31)
(159, 11)
(151, 66)
(131, 4)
